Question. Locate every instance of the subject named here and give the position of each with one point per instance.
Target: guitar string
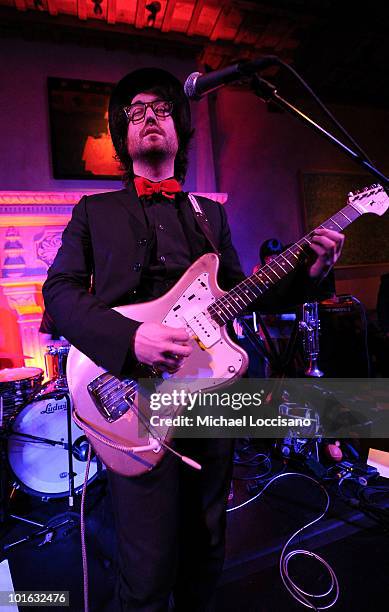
(225, 301)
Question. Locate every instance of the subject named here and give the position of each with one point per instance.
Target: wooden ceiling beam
(52, 6)
(81, 10)
(111, 12)
(121, 35)
(21, 5)
(168, 16)
(140, 14)
(213, 35)
(70, 29)
(197, 8)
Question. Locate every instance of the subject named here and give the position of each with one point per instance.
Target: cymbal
(7, 355)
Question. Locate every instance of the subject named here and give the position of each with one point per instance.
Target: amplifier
(343, 338)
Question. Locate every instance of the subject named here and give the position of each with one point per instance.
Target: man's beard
(155, 155)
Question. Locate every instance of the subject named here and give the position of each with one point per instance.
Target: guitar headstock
(373, 199)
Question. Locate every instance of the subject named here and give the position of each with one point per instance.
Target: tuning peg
(350, 194)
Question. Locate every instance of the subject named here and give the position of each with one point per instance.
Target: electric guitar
(108, 409)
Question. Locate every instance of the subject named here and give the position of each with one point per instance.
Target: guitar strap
(203, 222)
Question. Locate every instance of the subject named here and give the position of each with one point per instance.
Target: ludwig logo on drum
(54, 407)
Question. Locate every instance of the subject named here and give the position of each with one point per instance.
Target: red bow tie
(167, 188)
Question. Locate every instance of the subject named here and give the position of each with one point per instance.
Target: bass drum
(37, 449)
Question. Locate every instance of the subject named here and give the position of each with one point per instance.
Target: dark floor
(361, 563)
(356, 548)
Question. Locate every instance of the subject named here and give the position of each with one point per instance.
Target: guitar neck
(253, 287)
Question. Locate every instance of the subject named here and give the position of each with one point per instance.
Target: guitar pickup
(207, 335)
(111, 396)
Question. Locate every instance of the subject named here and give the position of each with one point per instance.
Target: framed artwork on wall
(324, 193)
(81, 145)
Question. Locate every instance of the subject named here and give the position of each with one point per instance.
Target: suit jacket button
(136, 267)
(162, 259)
(142, 242)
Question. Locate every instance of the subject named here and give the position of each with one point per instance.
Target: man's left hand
(326, 246)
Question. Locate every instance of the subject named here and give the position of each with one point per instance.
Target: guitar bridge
(111, 396)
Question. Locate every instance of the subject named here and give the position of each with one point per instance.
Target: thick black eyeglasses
(136, 112)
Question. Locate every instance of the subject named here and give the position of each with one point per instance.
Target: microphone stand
(268, 92)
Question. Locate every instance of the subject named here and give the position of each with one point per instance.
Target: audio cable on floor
(314, 601)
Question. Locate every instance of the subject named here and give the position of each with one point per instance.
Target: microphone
(197, 84)
(80, 448)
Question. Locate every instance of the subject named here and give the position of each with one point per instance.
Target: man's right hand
(162, 347)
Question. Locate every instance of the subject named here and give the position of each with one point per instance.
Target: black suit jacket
(99, 266)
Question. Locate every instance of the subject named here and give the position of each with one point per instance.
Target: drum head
(40, 467)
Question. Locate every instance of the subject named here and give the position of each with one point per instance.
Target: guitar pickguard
(214, 357)
(190, 308)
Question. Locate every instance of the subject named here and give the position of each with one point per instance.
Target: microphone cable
(326, 110)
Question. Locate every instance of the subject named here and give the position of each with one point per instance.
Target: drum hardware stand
(48, 529)
(67, 520)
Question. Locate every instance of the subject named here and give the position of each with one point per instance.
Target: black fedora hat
(135, 82)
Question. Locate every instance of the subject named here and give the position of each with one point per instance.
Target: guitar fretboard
(251, 288)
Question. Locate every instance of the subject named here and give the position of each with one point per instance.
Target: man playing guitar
(136, 243)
